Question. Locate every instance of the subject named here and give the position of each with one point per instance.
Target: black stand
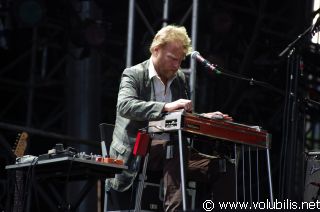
(294, 122)
(293, 139)
(44, 176)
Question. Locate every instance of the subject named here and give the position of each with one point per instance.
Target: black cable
(69, 169)
(285, 122)
(131, 197)
(33, 165)
(18, 193)
(68, 174)
(25, 186)
(29, 178)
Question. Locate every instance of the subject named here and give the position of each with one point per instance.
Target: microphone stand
(294, 120)
(224, 72)
(293, 136)
(310, 30)
(294, 43)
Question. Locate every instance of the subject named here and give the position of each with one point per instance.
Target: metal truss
(247, 48)
(244, 37)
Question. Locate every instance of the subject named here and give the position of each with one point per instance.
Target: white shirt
(162, 93)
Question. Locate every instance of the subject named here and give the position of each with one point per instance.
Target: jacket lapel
(146, 89)
(175, 89)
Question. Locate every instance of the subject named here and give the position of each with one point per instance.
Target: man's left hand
(218, 115)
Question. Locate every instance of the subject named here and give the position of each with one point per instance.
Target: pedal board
(58, 151)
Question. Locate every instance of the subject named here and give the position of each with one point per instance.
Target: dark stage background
(61, 62)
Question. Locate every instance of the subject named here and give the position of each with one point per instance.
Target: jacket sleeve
(132, 106)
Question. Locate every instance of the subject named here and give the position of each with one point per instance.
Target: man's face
(167, 59)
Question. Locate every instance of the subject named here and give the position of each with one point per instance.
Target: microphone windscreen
(194, 54)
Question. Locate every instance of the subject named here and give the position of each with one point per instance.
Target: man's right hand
(179, 104)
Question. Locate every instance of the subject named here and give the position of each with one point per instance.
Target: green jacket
(136, 106)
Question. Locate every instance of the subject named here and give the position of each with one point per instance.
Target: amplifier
(312, 178)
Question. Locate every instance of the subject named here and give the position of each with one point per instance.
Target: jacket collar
(175, 83)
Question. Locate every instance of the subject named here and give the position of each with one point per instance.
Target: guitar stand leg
(269, 176)
(182, 171)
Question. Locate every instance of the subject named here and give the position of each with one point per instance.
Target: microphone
(196, 55)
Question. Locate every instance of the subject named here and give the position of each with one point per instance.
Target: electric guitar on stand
(19, 151)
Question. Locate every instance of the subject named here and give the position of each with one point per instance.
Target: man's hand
(179, 104)
(217, 115)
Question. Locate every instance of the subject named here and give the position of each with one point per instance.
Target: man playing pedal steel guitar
(147, 90)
